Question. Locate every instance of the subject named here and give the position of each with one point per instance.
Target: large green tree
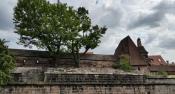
(56, 27)
(7, 63)
(85, 36)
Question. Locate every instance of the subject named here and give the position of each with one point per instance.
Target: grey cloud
(154, 19)
(150, 38)
(100, 14)
(151, 20)
(5, 21)
(167, 43)
(166, 7)
(110, 17)
(6, 14)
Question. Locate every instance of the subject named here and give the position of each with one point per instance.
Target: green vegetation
(162, 73)
(123, 63)
(158, 74)
(7, 63)
(57, 28)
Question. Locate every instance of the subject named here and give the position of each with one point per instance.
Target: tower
(142, 50)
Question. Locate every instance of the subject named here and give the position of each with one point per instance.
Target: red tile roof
(157, 60)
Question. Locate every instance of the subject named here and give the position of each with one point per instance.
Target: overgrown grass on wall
(123, 64)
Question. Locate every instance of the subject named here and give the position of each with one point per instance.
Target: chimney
(167, 62)
(139, 43)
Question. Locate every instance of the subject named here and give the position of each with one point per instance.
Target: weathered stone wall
(42, 80)
(36, 81)
(89, 89)
(78, 89)
(31, 58)
(142, 69)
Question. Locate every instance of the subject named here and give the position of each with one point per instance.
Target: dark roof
(45, 54)
(142, 49)
(29, 53)
(127, 46)
(157, 60)
(167, 68)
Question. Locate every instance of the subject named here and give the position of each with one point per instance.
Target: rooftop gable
(127, 46)
(157, 60)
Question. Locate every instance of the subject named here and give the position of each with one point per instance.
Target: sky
(151, 20)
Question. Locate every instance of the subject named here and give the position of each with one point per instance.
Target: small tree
(123, 63)
(7, 63)
(56, 27)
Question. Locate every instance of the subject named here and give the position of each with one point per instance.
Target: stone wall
(32, 58)
(142, 88)
(78, 89)
(36, 77)
(89, 89)
(45, 81)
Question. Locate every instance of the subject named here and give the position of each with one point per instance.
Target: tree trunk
(75, 53)
(76, 58)
(86, 51)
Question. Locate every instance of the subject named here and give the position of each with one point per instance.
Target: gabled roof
(127, 46)
(142, 49)
(157, 60)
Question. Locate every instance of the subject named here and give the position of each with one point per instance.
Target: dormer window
(37, 61)
(159, 60)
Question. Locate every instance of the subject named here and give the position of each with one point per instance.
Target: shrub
(162, 73)
(7, 63)
(123, 63)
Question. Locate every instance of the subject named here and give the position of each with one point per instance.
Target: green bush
(162, 73)
(7, 63)
(115, 65)
(123, 63)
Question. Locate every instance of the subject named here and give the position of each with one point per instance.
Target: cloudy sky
(151, 20)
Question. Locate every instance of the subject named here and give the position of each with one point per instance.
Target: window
(17, 77)
(139, 68)
(159, 60)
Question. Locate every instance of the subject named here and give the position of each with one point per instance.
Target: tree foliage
(7, 63)
(56, 27)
